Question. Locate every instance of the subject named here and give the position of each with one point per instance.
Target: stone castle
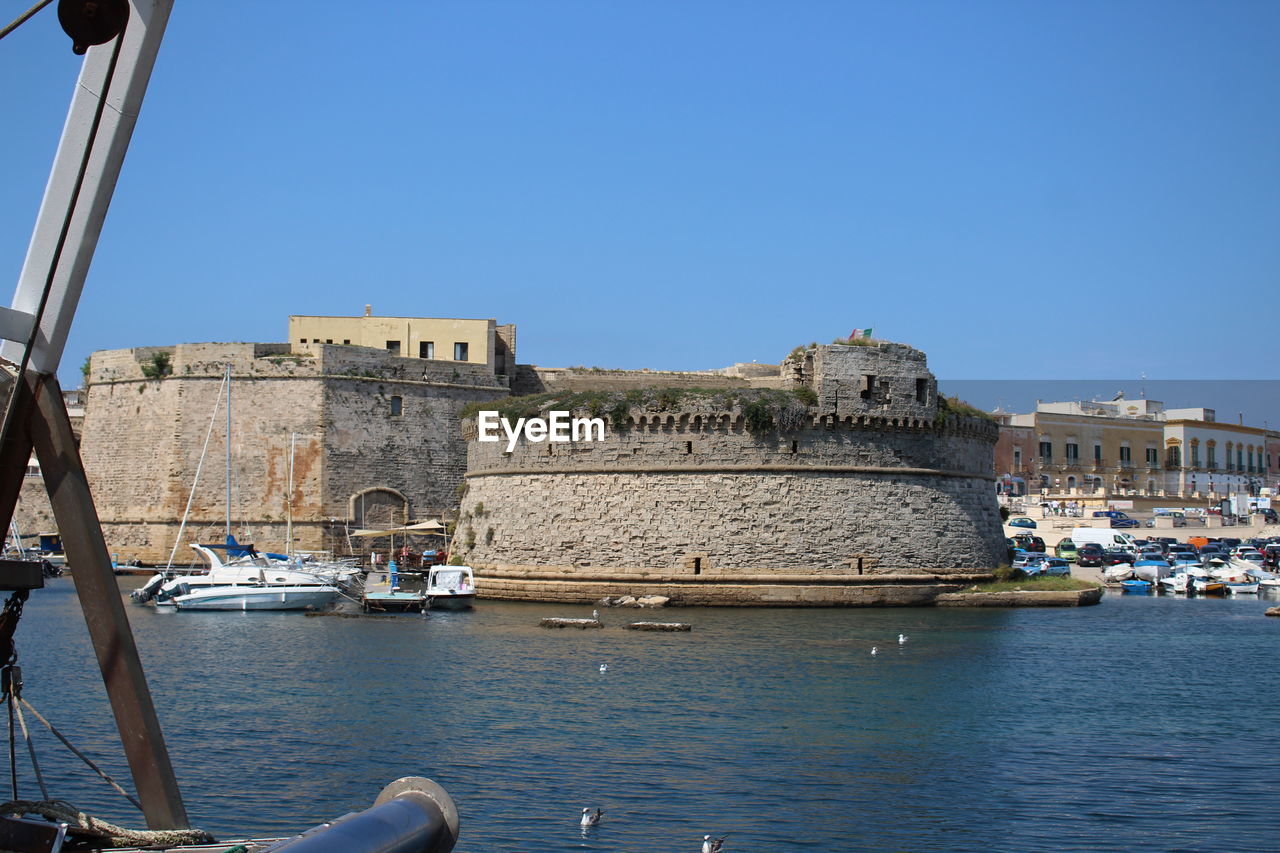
(837, 477)
(862, 487)
(325, 440)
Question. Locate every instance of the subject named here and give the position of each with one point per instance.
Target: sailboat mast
(288, 527)
(228, 378)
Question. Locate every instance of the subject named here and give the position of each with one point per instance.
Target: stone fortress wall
(878, 496)
(375, 441)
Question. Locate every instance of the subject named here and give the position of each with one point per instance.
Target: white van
(1110, 540)
(1179, 517)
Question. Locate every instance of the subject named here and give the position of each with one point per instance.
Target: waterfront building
(1122, 449)
(1091, 448)
(1207, 458)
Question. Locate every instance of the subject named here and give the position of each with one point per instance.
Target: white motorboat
(1176, 583)
(450, 587)
(1242, 588)
(254, 597)
(249, 579)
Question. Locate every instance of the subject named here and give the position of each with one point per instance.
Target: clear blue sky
(1021, 189)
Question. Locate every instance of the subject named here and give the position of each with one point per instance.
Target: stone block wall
(144, 438)
(696, 494)
(883, 380)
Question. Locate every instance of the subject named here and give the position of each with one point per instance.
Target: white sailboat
(246, 580)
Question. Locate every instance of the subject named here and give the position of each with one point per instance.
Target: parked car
(1027, 542)
(1050, 566)
(1114, 558)
(1118, 518)
(1066, 549)
(1089, 554)
(1024, 559)
(1022, 521)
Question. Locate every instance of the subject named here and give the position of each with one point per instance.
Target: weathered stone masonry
(356, 462)
(879, 498)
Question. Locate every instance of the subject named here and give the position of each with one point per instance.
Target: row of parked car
(1115, 517)
(1026, 550)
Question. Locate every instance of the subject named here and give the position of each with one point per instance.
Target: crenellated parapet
(728, 487)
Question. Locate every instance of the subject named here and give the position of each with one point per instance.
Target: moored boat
(1135, 586)
(450, 587)
(1208, 586)
(257, 597)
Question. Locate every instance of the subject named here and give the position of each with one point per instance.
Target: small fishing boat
(1208, 586)
(1135, 587)
(451, 587)
(1234, 588)
(1151, 570)
(1118, 572)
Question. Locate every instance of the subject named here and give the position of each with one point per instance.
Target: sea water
(1144, 723)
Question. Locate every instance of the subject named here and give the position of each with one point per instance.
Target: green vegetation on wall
(763, 409)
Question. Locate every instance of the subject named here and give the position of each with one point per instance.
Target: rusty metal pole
(104, 613)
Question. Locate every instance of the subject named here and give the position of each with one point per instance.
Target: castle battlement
(281, 361)
(860, 467)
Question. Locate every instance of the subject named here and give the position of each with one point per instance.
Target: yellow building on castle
(447, 339)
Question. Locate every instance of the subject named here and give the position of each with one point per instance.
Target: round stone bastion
(700, 508)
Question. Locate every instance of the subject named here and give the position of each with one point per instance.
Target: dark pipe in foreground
(411, 815)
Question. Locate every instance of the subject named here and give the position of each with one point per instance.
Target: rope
(59, 811)
(24, 17)
(81, 756)
(31, 748)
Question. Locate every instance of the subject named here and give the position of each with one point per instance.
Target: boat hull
(450, 600)
(258, 598)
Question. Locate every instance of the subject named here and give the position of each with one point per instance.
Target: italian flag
(860, 333)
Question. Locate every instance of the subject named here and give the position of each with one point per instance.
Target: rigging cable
(24, 17)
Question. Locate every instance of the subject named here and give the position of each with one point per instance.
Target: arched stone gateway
(877, 498)
(379, 507)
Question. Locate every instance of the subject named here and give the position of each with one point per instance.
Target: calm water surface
(1140, 724)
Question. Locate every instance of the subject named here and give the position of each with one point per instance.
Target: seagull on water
(713, 845)
(874, 650)
(590, 818)
(595, 614)
(902, 638)
(604, 667)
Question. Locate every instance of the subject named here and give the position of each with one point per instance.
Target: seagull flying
(902, 638)
(713, 845)
(590, 818)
